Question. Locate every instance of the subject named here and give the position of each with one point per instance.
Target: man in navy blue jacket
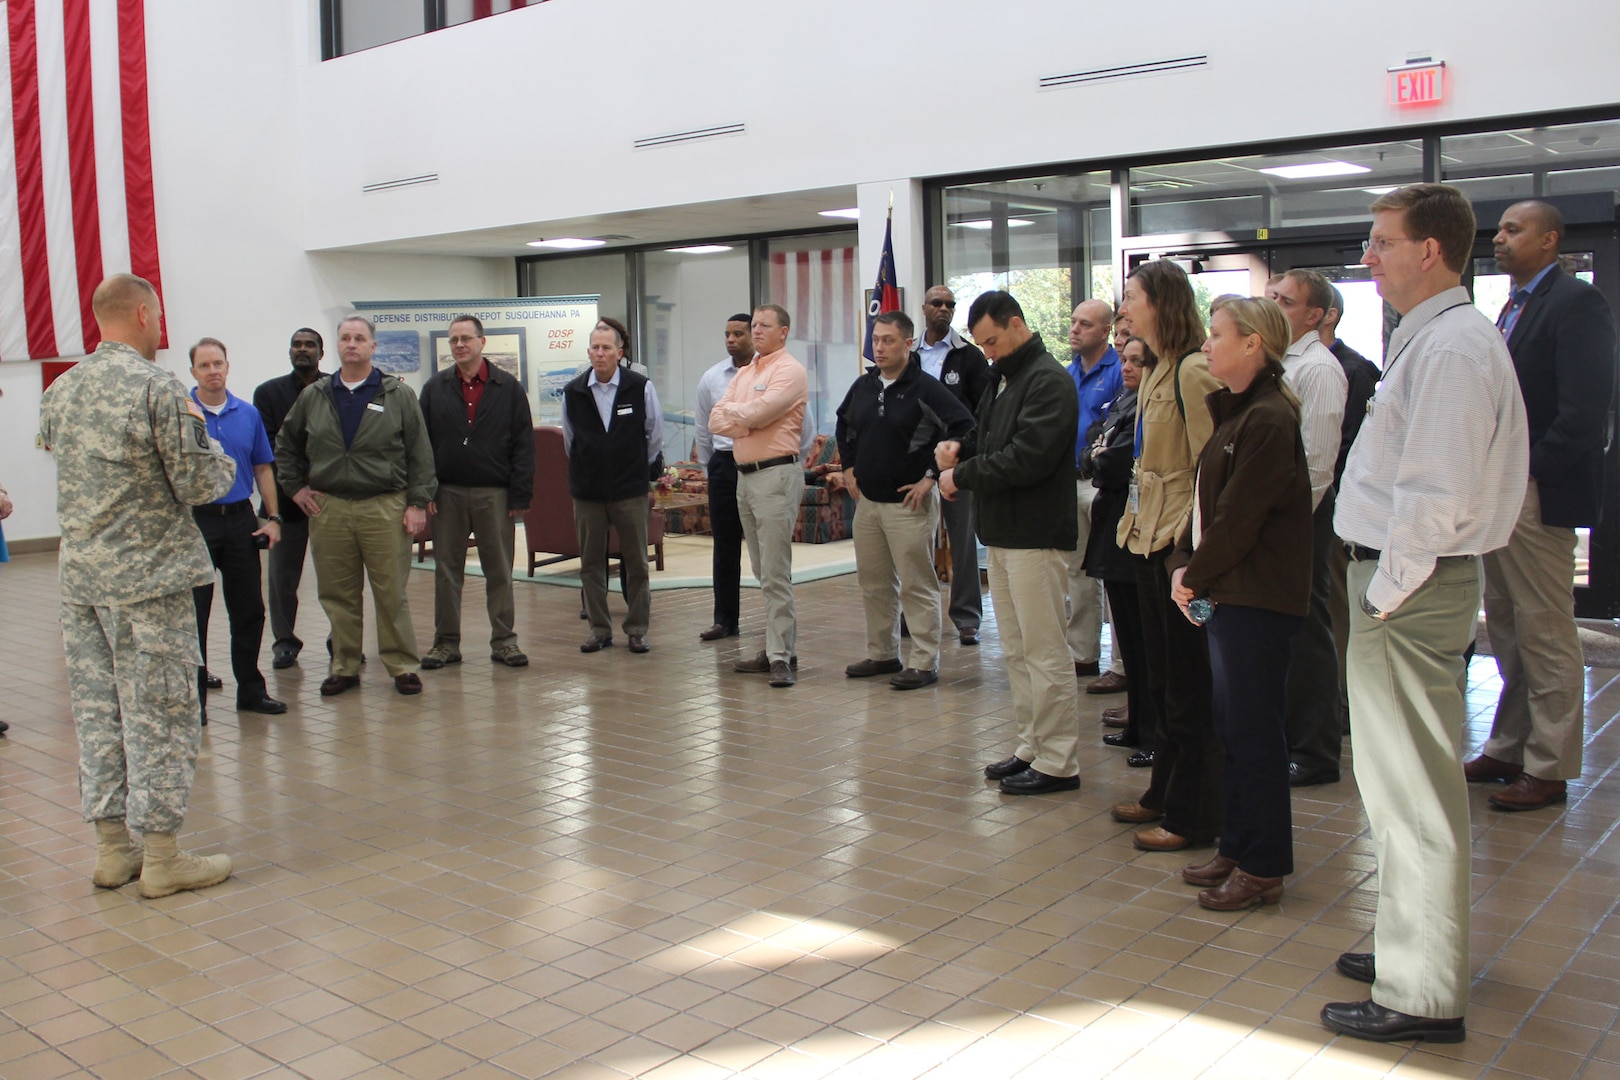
(888, 426)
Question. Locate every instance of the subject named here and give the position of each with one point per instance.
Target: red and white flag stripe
(75, 169)
(819, 291)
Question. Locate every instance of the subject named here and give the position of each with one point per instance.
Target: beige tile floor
(623, 865)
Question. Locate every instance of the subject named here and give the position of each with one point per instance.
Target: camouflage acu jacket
(131, 459)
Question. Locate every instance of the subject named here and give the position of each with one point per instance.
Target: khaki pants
(894, 562)
(482, 512)
(768, 503)
(1026, 587)
(132, 676)
(1530, 615)
(354, 537)
(592, 520)
(1083, 629)
(1407, 714)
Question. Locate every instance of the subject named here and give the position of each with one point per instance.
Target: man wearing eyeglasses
(888, 426)
(483, 451)
(962, 368)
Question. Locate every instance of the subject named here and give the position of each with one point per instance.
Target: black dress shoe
(914, 679)
(267, 705)
(970, 636)
(1081, 670)
(1370, 1020)
(760, 664)
(595, 644)
(283, 660)
(716, 632)
(1006, 767)
(865, 669)
(638, 643)
(1299, 776)
(212, 681)
(1120, 738)
(1034, 782)
(1358, 966)
(781, 674)
(1142, 759)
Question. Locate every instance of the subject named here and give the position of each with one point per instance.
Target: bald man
(132, 457)
(1097, 381)
(1560, 332)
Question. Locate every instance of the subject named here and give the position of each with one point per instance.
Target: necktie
(1509, 318)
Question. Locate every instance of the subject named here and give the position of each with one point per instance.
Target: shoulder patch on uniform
(194, 437)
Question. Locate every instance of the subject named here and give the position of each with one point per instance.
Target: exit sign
(1417, 84)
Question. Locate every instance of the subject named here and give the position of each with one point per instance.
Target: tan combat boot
(118, 858)
(170, 870)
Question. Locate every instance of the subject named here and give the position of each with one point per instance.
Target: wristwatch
(931, 473)
(275, 518)
(1372, 612)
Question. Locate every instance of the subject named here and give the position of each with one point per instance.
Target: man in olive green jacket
(355, 453)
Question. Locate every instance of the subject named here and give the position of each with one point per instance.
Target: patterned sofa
(824, 515)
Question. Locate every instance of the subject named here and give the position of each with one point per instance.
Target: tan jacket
(1173, 435)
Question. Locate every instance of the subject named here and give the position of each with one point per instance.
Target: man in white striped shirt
(1434, 480)
(1315, 730)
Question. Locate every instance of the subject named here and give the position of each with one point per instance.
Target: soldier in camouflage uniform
(132, 456)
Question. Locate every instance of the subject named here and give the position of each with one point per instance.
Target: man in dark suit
(959, 364)
(1561, 334)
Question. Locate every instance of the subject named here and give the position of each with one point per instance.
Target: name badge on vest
(373, 406)
(624, 410)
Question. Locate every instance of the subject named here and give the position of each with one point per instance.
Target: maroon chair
(549, 522)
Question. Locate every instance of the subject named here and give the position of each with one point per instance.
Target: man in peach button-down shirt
(762, 411)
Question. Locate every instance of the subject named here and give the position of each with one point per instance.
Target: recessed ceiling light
(700, 249)
(570, 242)
(853, 213)
(984, 223)
(1315, 170)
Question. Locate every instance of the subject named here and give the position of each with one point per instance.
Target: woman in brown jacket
(1172, 425)
(1247, 554)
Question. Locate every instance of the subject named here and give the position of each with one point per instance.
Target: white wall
(543, 128)
(228, 146)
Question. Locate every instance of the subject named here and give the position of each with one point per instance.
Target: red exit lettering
(1417, 86)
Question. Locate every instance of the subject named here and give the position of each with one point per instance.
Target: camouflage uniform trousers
(132, 674)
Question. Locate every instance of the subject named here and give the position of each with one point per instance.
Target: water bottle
(1200, 610)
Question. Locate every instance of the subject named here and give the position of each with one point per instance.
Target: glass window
(579, 275)
(460, 11)
(367, 23)
(1269, 191)
(816, 278)
(1564, 159)
(1046, 240)
(686, 301)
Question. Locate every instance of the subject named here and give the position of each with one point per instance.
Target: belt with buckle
(766, 463)
(224, 509)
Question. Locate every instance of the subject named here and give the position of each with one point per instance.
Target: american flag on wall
(75, 172)
(819, 291)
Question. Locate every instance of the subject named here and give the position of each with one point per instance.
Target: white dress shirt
(1317, 378)
(1442, 462)
(709, 390)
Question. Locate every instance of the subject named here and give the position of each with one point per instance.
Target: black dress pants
(1142, 728)
(230, 545)
(1186, 782)
(1250, 695)
(725, 525)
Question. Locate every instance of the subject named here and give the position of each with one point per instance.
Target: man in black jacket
(888, 426)
(1019, 464)
(959, 365)
(483, 451)
(614, 433)
(1561, 334)
(274, 399)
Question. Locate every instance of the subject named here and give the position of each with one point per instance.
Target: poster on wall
(542, 341)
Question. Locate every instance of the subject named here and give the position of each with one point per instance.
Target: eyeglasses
(942, 303)
(1382, 247)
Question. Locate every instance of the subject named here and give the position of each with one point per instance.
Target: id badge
(1135, 498)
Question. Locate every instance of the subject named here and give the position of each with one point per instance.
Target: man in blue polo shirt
(1097, 381)
(230, 528)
